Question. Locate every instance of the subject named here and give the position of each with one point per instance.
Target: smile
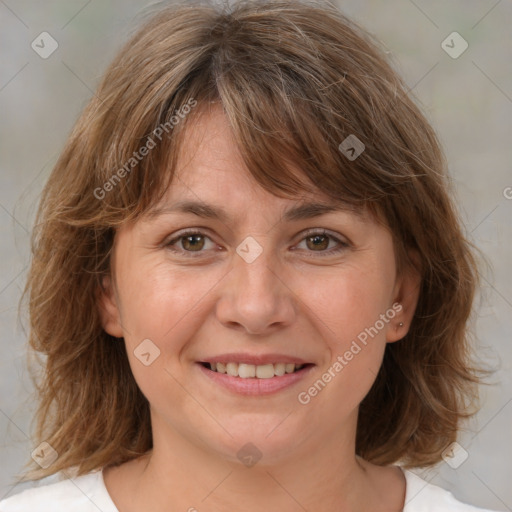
(247, 371)
(252, 379)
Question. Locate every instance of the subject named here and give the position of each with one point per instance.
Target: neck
(320, 474)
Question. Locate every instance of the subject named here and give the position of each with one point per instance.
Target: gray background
(468, 100)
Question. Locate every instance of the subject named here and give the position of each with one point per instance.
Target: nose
(255, 297)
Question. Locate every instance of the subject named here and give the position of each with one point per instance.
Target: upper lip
(254, 359)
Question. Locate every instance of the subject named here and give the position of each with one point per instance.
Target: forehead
(211, 178)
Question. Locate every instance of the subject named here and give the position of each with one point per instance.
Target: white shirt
(87, 493)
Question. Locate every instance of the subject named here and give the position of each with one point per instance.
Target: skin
(306, 302)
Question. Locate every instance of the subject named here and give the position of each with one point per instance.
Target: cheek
(347, 307)
(158, 302)
(166, 307)
(347, 301)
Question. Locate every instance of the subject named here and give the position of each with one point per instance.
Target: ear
(406, 293)
(108, 308)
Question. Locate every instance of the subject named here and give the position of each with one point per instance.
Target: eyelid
(323, 231)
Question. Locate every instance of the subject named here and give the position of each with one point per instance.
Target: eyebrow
(302, 211)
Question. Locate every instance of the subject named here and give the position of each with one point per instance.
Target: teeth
(247, 371)
(279, 369)
(232, 369)
(265, 371)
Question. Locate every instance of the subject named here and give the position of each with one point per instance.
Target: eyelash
(308, 234)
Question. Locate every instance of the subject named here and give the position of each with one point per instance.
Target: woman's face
(257, 285)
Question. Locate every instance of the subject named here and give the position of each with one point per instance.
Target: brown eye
(189, 242)
(322, 243)
(192, 242)
(315, 242)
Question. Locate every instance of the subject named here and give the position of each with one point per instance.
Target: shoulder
(85, 493)
(420, 496)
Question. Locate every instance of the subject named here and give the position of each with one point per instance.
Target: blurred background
(52, 55)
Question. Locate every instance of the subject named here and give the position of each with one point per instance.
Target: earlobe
(407, 295)
(108, 308)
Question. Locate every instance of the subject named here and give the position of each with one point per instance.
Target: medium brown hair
(295, 79)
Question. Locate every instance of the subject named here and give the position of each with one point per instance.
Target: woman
(249, 279)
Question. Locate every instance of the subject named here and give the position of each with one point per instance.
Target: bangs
(280, 139)
(289, 114)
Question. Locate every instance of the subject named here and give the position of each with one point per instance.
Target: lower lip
(254, 386)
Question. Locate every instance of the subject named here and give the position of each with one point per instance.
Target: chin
(262, 439)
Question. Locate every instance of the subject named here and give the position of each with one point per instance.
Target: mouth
(254, 379)
(253, 371)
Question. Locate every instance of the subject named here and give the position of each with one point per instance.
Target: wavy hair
(295, 79)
